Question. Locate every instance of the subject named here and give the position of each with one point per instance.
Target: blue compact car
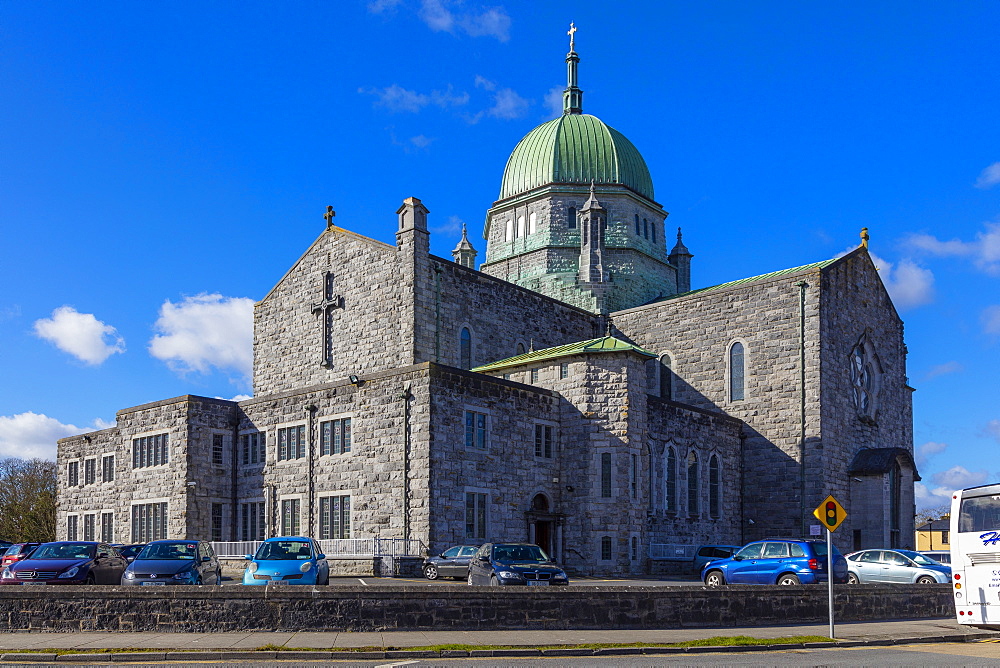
(287, 560)
(783, 561)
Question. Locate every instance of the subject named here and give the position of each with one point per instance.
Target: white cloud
(991, 320)
(554, 101)
(928, 450)
(908, 284)
(931, 498)
(959, 477)
(395, 98)
(452, 226)
(508, 105)
(80, 334)
(486, 22)
(984, 251)
(992, 430)
(205, 331)
(944, 369)
(483, 82)
(421, 141)
(30, 435)
(989, 177)
(241, 397)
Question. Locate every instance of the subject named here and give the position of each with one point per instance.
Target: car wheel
(431, 572)
(852, 579)
(926, 580)
(90, 580)
(788, 579)
(218, 577)
(494, 582)
(715, 579)
(198, 580)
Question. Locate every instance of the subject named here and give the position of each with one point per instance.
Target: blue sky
(161, 167)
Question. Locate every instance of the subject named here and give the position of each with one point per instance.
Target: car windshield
(920, 559)
(519, 553)
(131, 550)
(179, 551)
(65, 551)
(280, 550)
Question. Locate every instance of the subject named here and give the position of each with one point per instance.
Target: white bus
(975, 556)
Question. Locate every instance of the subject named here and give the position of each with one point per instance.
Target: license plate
(145, 584)
(33, 583)
(538, 583)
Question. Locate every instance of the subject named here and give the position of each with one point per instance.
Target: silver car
(888, 566)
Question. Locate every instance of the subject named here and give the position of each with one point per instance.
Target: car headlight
(183, 575)
(559, 576)
(306, 565)
(252, 567)
(7, 575)
(70, 573)
(509, 574)
(129, 575)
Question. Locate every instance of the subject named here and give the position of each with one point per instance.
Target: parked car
(67, 562)
(16, 552)
(880, 566)
(514, 564)
(174, 562)
(130, 551)
(453, 562)
(783, 561)
(940, 556)
(706, 554)
(287, 560)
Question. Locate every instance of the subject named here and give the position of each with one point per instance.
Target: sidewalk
(228, 644)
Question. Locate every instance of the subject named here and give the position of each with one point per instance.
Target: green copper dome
(575, 148)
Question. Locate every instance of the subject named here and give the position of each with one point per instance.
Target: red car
(15, 553)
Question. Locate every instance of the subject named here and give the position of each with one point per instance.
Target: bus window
(979, 513)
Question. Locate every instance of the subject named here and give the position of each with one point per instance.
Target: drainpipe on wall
(311, 409)
(234, 480)
(802, 285)
(406, 396)
(743, 487)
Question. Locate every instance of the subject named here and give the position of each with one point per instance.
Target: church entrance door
(543, 536)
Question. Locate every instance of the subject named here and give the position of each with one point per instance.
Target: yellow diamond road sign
(830, 513)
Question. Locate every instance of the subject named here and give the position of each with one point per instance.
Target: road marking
(362, 582)
(398, 663)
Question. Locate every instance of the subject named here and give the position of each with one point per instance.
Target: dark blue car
(783, 561)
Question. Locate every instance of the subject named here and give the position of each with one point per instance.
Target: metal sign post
(831, 514)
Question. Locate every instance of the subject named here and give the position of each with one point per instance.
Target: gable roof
(754, 279)
(604, 344)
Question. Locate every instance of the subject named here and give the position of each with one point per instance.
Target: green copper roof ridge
(753, 279)
(566, 350)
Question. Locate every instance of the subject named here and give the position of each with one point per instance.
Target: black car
(453, 562)
(68, 562)
(497, 564)
(174, 562)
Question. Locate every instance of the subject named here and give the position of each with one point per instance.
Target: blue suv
(783, 561)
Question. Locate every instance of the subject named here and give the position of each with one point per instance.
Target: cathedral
(574, 391)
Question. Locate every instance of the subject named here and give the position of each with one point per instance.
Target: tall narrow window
(666, 378)
(571, 218)
(290, 517)
(335, 517)
(543, 440)
(606, 475)
(635, 476)
(108, 468)
(107, 527)
(638, 230)
(670, 500)
(475, 430)
(645, 228)
(253, 448)
(292, 442)
(73, 475)
(71, 527)
(508, 233)
(252, 520)
(692, 481)
(736, 372)
(89, 472)
(89, 527)
(895, 487)
(465, 349)
(217, 521)
(635, 548)
(713, 487)
(519, 232)
(217, 451)
(520, 349)
(335, 437)
(652, 232)
(534, 376)
(475, 516)
(564, 370)
(532, 223)
(605, 548)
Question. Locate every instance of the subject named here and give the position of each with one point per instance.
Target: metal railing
(672, 551)
(336, 548)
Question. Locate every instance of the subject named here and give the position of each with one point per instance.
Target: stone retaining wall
(358, 608)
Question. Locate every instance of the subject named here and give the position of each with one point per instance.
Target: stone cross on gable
(331, 300)
(329, 215)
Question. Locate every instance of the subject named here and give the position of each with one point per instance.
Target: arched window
(651, 370)
(508, 233)
(571, 218)
(465, 349)
(638, 230)
(520, 348)
(666, 378)
(692, 480)
(540, 503)
(645, 228)
(652, 231)
(532, 223)
(713, 487)
(670, 477)
(736, 372)
(519, 232)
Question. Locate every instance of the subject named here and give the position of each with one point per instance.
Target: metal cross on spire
(572, 36)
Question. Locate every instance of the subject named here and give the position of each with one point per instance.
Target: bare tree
(27, 500)
(930, 514)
